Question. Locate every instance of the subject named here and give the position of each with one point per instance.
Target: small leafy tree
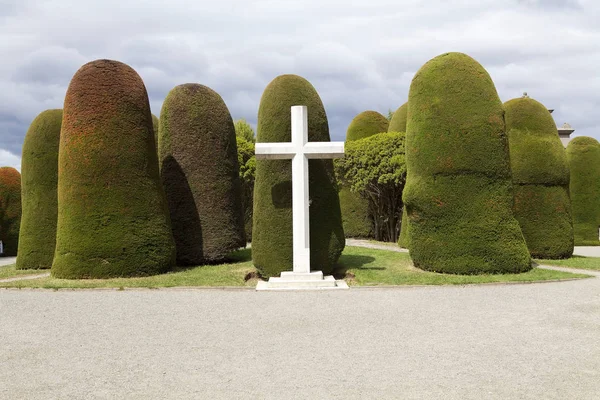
(390, 114)
(247, 162)
(375, 168)
(244, 130)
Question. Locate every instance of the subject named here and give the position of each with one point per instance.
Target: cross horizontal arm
(275, 151)
(314, 150)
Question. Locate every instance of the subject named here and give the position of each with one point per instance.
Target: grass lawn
(360, 266)
(9, 271)
(574, 262)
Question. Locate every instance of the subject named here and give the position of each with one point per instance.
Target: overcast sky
(360, 55)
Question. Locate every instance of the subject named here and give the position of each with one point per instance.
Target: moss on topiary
(583, 154)
(10, 209)
(459, 191)
(541, 179)
(39, 168)
(398, 122)
(272, 219)
(200, 174)
(112, 213)
(366, 124)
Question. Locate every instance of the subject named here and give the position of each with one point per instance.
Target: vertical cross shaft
(300, 195)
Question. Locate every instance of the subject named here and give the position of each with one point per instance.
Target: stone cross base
(302, 281)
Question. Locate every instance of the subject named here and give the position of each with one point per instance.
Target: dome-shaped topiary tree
(39, 169)
(112, 213)
(272, 219)
(398, 122)
(200, 174)
(583, 154)
(366, 124)
(540, 177)
(459, 192)
(10, 209)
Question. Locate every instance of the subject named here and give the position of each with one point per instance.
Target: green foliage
(374, 167)
(390, 115)
(459, 192)
(112, 213)
(355, 214)
(541, 179)
(10, 209)
(583, 154)
(272, 220)
(244, 130)
(398, 121)
(404, 237)
(155, 125)
(247, 162)
(365, 124)
(39, 168)
(200, 174)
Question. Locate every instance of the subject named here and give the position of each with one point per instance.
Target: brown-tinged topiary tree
(459, 193)
(541, 179)
(200, 174)
(39, 169)
(583, 154)
(10, 209)
(112, 213)
(272, 227)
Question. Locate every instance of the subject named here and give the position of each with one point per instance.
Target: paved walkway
(536, 341)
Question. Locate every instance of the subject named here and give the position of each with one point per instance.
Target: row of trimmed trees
(487, 184)
(110, 190)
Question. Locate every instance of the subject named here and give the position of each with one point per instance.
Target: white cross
(300, 150)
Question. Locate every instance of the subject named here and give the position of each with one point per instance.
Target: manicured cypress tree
(583, 154)
(272, 227)
(200, 174)
(112, 213)
(398, 122)
(366, 124)
(39, 168)
(459, 191)
(155, 125)
(541, 179)
(10, 209)
(404, 237)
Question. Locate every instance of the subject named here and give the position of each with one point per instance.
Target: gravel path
(537, 341)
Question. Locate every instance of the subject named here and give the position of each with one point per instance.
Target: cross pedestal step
(302, 281)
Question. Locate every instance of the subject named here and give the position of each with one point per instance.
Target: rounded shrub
(272, 219)
(366, 124)
(39, 177)
(112, 214)
(10, 209)
(458, 193)
(398, 122)
(355, 214)
(540, 179)
(200, 174)
(583, 154)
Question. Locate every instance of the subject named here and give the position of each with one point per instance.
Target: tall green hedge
(39, 169)
(404, 237)
(583, 154)
(200, 174)
(541, 179)
(366, 124)
(10, 209)
(272, 219)
(398, 122)
(112, 212)
(155, 125)
(459, 191)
